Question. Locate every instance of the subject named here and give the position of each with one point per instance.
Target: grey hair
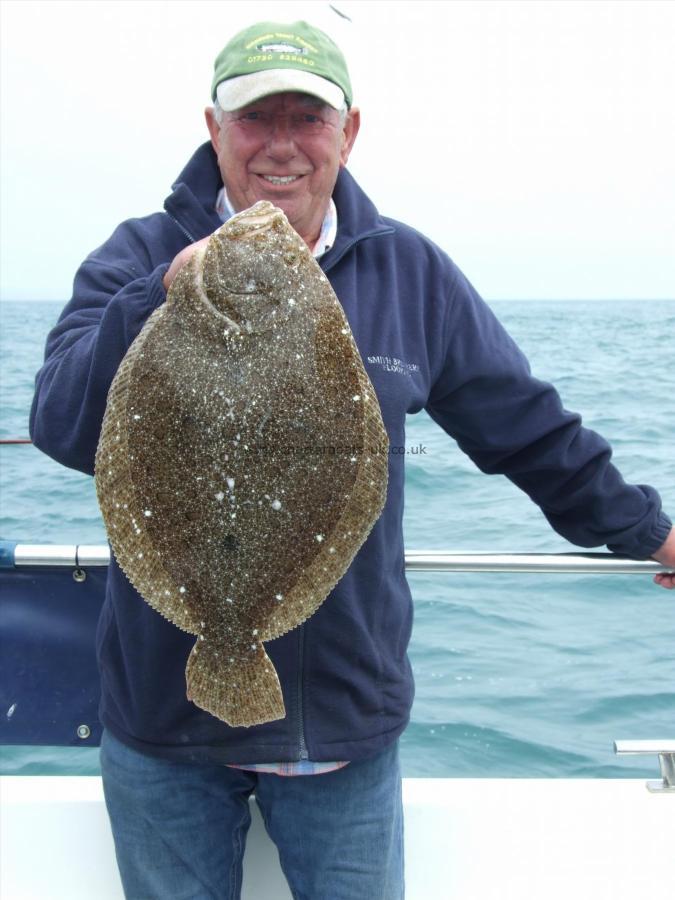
(219, 113)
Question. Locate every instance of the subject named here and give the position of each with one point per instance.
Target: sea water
(517, 675)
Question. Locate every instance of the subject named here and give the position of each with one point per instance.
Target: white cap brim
(244, 89)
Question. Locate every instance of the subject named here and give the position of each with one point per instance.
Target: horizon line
(486, 299)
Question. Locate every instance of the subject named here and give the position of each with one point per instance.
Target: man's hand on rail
(666, 556)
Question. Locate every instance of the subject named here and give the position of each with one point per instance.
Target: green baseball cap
(271, 57)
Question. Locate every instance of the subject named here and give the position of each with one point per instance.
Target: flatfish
(243, 459)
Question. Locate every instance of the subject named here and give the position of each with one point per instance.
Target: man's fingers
(666, 581)
(180, 260)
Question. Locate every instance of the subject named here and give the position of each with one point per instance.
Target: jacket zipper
(184, 230)
(302, 746)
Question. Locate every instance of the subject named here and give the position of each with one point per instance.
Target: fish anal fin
(239, 687)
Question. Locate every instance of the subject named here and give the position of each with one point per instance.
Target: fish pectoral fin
(240, 687)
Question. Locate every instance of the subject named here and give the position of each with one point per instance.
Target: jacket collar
(358, 219)
(192, 205)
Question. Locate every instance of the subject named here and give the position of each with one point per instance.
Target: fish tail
(239, 687)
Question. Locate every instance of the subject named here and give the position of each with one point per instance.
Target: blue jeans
(180, 828)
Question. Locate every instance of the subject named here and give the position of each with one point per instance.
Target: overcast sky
(534, 141)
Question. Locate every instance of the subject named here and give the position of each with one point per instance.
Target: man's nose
(281, 139)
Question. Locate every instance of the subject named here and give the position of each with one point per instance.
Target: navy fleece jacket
(427, 341)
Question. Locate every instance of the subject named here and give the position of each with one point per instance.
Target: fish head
(251, 268)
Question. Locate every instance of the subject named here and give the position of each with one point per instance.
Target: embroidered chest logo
(392, 364)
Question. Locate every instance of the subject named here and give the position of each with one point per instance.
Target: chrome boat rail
(85, 555)
(548, 563)
(665, 750)
(81, 557)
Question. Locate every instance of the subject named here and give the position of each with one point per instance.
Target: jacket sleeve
(114, 293)
(511, 423)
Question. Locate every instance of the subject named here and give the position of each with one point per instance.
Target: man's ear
(214, 128)
(350, 130)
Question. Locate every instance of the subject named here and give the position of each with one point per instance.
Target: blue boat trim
(7, 554)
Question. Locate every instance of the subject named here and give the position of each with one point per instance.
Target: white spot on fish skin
(181, 589)
(11, 710)
(331, 549)
(229, 600)
(255, 631)
(319, 537)
(136, 417)
(230, 483)
(352, 459)
(276, 504)
(356, 397)
(220, 496)
(291, 301)
(278, 596)
(147, 513)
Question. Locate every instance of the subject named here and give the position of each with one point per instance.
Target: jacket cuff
(644, 546)
(661, 531)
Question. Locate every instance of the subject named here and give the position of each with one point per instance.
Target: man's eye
(310, 119)
(252, 116)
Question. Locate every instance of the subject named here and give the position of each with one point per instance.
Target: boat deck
(466, 839)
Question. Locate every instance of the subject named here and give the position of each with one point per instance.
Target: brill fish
(242, 460)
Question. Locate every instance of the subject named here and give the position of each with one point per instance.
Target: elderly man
(176, 779)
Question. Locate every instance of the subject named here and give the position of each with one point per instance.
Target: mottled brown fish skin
(243, 459)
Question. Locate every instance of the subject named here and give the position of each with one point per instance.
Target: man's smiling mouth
(280, 179)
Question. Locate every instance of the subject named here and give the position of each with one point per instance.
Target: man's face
(288, 149)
